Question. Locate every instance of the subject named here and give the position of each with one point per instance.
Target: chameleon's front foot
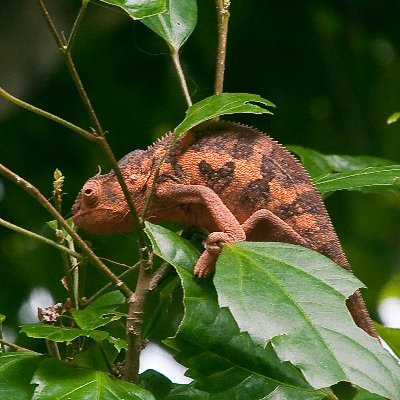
(213, 247)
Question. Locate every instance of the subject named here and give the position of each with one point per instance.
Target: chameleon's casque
(230, 179)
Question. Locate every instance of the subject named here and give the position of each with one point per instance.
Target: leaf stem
(36, 194)
(43, 239)
(36, 110)
(182, 79)
(223, 21)
(16, 347)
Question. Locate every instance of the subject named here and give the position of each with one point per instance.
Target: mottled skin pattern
(230, 179)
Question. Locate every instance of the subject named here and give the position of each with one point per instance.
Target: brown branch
(36, 110)
(134, 324)
(223, 20)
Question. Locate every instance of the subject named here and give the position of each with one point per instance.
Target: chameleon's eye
(90, 193)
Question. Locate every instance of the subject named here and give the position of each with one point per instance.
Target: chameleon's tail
(355, 304)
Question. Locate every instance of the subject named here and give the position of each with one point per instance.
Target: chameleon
(230, 179)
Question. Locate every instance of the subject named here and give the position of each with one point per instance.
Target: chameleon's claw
(205, 264)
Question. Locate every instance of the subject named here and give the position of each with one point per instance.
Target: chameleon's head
(101, 207)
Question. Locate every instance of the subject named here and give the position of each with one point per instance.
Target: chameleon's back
(249, 171)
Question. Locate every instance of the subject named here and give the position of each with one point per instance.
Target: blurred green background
(331, 67)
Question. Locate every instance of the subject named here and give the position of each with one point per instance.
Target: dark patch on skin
(305, 203)
(267, 168)
(178, 170)
(256, 191)
(217, 179)
(243, 148)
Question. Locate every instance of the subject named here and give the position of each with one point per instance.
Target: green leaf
(119, 344)
(224, 362)
(365, 395)
(97, 356)
(54, 226)
(100, 312)
(59, 334)
(393, 118)
(368, 179)
(318, 164)
(138, 9)
(295, 298)
(58, 380)
(156, 383)
(176, 24)
(2, 318)
(16, 371)
(225, 103)
(391, 336)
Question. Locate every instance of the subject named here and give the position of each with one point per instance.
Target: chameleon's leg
(274, 228)
(229, 229)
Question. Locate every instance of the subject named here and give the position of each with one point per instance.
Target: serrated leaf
(368, 179)
(391, 336)
(295, 298)
(138, 9)
(59, 334)
(225, 363)
(16, 371)
(58, 380)
(225, 103)
(318, 164)
(176, 24)
(393, 118)
(100, 312)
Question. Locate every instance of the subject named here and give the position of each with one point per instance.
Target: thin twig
(109, 285)
(35, 193)
(57, 196)
(36, 110)
(43, 239)
(182, 80)
(159, 275)
(16, 347)
(58, 38)
(76, 25)
(223, 20)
